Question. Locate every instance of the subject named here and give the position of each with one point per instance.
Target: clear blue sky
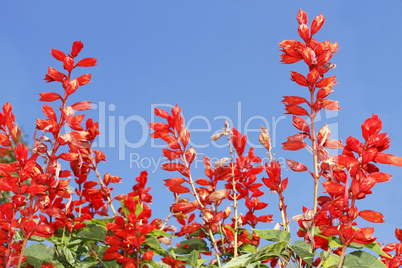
(211, 58)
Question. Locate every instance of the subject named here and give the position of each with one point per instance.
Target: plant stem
(342, 256)
(100, 179)
(315, 161)
(194, 193)
(24, 245)
(236, 217)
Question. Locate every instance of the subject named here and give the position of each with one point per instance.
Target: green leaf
(248, 248)
(334, 242)
(154, 244)
(200, 262)
(361, 259)
(273, 235)
(158, 232)
(355, 245)
(68, 255)
(302, 249)
(101, 222)
(193, 244)
(39, 253)
(36, 238)
(376, 248)
(192, 259)
(18, 236)
(239, 261)
(269, 251)
(93, 232)
(162, 265)
(332, 261)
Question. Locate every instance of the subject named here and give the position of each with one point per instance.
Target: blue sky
(214, 59)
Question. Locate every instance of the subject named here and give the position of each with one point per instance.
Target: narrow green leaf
(361, 259)
(273, 235)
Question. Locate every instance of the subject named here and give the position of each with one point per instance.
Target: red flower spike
(302, 17)
(77, 46)
(316, 24)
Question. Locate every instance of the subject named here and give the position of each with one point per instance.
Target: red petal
(35, 189)
(296, 110)
(304, 32)
(174, 181)
(388, 159)
(299, 79)
(317, 23)
(203, 182)
(334, 187)
(380, 176)
(59, 55)
(301, 124)
(302, 17)
(296, 166)
(312, 77)
(293, 145)
(330, 105)
(87, 62)
(293, 100)
(371, 216)
(81, 106)
(77, 46)
(325, 81)
(179, 189)
(84, 79)
(49, 96)
(398, 234)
